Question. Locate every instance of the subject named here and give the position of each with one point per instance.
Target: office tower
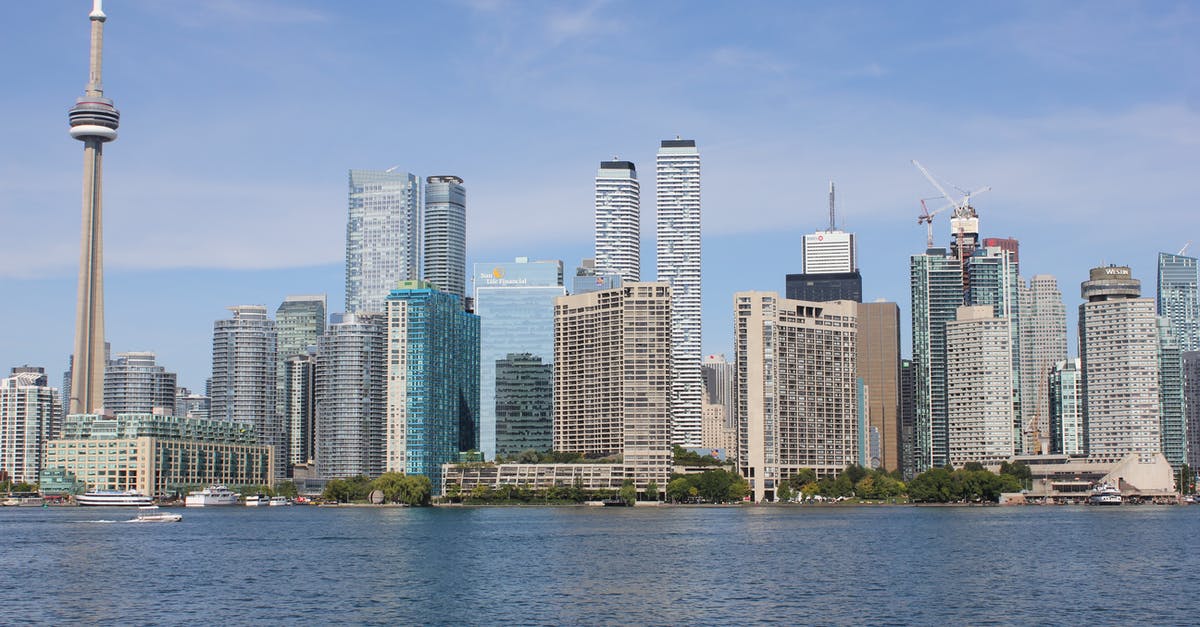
(30, 413)
(299, 324)
(825, 287)
(1191, 405)
(190, 405)
(94, 122)
(677, 192)
(618, 221)
(908, 418)
(432, 380)
(830, 265)
(878, 363)
(586, 279)
(382, 236)
(612, 377)
(445, 234)
(979, 387)
(1118, 350)
(351, 396)
(1066, 408)
(243, 381)
(719, 381)
(1179, 298)
(796, 388)
(524, 404)
(1172, 422)
(937, 292)
(1043, 328)
(515, 304)
(133, 383)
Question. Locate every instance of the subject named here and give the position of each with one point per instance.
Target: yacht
(277, 501)
(24, 499)
(122, 498)
(254, 500)
(1105, 494)
(212, 496)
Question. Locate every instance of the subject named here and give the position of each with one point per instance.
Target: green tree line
(396, 487)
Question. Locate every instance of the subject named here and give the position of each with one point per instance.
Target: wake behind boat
(110, 498)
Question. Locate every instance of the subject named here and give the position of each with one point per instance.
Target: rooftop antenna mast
(832, 221)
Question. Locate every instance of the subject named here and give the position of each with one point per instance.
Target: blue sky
(240, 119)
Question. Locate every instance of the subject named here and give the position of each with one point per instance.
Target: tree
(677, 489)
(628, 492)
(416, 490)
(784, 493)
(803, 477)
(652, 490)
(391, 484)
(286, 488)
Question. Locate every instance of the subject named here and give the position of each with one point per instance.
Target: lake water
(618, 566)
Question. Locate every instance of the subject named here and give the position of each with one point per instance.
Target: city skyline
(1124, 125)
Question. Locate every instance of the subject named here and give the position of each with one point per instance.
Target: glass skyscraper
(937, 292)
(524, 404)
(515, 303)
(432, 380)
(445, 234)
(299, 323)
(382, 240)
(1178, 298)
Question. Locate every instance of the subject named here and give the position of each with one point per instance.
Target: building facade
(444, 241)
(618, 221)
(797, 388)
(1066, 409)
(30, 413)
(1043, 328)
(382, 236)
(299, 324)
(524, 404)
(825, 287)
(1172, 421)
(134, 383)
(979, 387)
(937, 293)
(432, 380)
(720, 381)
(677, 193)
(299, 402)
(1179, 298)
(1191, 404)
(878, 363)
(351, 395)
(243, 383)
(515, 304)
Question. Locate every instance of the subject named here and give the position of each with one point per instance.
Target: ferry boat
(1105, 494)
(254, 500)
(110, 498)
(212, 496)
(277, 501)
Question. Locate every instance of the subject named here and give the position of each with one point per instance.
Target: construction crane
(1184, 249)
(926, 218)
(962, 206)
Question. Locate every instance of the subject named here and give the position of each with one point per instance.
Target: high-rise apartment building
(1172, 421)
(445, 234)
(618, 221)
(1043, 328)
(677, 193)
(1118, 349)
(979, 387)
(1066, 408)
(1191, 405)
(796, 388)
(937, 293)
(243, 383)
(351, 395)
(30, 416)
(432, 380)
(908, 418)
(1179, 297)
(515, 304)
(382, 236)
(134, 383)
(612, 377)
(878, 363)
(299, 324)
(190, 405)
(524, 404)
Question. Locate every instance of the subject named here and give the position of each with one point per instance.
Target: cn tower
(94, 122)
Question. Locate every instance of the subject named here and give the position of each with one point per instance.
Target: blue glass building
(432, 380)
(515, 304)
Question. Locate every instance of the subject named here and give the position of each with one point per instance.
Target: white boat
(1105, 494)
(158, 517)
(24, 499)
(254, 500)
(212, 496)
(277, 501)
(120, 498)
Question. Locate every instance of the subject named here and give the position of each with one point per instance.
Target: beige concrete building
(29, 417)
(157, 455)
(797, 388)
(878, 363)
(715, 431)
(612, 377)
(537, 476)
(1043, 332)
(979, 387)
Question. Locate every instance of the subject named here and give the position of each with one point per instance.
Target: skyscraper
(30, 414)
(908, 418)
(94, 122)
(796, 388)
(1179, 298)
(524, 404)
(719, 384)
(1172, 422)
(135, 384)
(878, 362)
(1043, 327)
(1118, 350)
(243, 383)
(445, 234)
(677, 192)
(351, 396)
(382, 236)
(1066, 409)
(1191, 405)
(432, 380)
(618, 221)
(612, 377)
(830, 265)
(937, 293)
(515, 303)
(299, 324)
(979, 387)
(299, 402)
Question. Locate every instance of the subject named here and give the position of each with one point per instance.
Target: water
(618, 566)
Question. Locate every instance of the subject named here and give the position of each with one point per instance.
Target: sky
(240, 120)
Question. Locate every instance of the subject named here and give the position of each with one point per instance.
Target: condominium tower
(1179, 298)
(243, 383)
(1066, 409)
(677, 191)
(351, 396)
(444, 242)
(1043, 329)
(979, 387)
(299, 323)
(618, 221)
(1172, 421)
(134, 383)
(382, 236)
(30, 415)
